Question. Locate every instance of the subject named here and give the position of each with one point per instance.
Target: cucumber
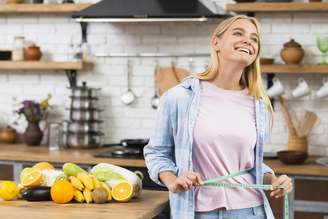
(41, 193)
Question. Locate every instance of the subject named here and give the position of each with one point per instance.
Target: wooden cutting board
(168, 77)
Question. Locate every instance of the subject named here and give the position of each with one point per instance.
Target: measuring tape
(217, 183)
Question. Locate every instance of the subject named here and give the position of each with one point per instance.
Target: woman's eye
(237, 34)
(255, 40)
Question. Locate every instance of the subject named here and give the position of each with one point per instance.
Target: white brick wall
(54, 33)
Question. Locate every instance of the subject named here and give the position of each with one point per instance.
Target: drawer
(311, 190)
(309, 215)
(6, 172)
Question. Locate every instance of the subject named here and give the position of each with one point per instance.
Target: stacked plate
(82, 130)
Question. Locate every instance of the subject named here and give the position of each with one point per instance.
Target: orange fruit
(33, 178)
(43, 166)
(122, 191)
(62, 191)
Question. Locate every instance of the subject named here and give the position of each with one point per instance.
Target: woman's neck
(229, 75)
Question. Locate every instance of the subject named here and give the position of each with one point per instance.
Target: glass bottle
(18, 49)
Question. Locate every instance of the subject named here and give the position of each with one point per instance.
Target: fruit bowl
(292, 157)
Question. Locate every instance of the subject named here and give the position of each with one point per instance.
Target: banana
(78, 196)
(87, 195)
(86, 180)
(76, 183)
(96, 182)
(105, 186)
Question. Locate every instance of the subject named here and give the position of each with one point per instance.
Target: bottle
(18, 49)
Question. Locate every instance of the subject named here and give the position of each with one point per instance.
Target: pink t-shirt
(224, 140)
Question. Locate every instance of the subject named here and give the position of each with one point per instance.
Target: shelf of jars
(41, 8)
(278, 7)
(42, 65)
(295, 69)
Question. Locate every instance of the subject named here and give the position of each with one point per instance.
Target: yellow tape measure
(217, 183)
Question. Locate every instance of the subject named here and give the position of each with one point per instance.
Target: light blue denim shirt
(170, 146)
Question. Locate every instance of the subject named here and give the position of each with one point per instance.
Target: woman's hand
(284, 181)
(185, 182)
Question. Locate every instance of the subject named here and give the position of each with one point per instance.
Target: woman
(214, 124)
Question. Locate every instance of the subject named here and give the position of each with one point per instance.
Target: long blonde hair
(251, 77)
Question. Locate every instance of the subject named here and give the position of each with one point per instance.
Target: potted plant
(34, 112)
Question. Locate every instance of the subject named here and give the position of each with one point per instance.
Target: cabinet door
(6, 172)
(305, 189)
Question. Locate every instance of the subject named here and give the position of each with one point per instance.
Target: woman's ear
(215, 44)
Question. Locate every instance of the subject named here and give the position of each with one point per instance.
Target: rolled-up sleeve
(158, 152)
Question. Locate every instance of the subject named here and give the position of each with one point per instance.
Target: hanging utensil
(155, 98)
(128, 97)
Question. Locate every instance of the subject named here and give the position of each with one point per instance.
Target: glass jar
(18, 49)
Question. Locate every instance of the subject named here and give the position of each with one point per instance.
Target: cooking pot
(85, 115)
(83, 103)
(84, 91)
(83, 140)
(78, 126)
(131, 143)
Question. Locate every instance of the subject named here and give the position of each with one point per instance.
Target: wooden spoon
(310, 120)
(287, 117)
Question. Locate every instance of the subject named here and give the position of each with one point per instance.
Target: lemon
(122, 191)
(33, 178)
(25, 171)
(8, 190)
(43, 166)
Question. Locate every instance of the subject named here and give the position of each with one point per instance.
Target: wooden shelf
(40, 65)
(41, 8)
(277, 7)
(294, 69)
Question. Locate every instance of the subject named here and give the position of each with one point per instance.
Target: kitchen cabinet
(309, 199)
(41, 8)
(278, 7)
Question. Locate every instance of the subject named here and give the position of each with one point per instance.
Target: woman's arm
(159, 151)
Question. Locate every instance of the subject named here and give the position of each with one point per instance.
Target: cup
(276, 89)
(302, 88)
(323, 91)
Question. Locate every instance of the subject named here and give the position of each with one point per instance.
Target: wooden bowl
(7, 135)
(292, 157)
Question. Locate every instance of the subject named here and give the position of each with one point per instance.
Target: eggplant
(40, 193)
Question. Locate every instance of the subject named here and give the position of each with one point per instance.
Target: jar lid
(292, 43)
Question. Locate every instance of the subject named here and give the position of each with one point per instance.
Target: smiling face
(239, 43)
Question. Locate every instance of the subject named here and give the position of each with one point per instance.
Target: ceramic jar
(292, 52)
(33, 53)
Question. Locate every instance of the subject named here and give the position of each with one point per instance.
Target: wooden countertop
(148, 205)
(309, 168)
(19, 152)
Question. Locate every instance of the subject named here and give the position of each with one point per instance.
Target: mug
(323, 91)
(302, 88)
(276, 89)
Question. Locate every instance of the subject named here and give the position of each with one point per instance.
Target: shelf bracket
(270, 77)
(71, 75)
(84, 31)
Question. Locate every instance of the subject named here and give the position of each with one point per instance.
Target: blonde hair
(251, 77)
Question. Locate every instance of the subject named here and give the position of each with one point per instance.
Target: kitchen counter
(20, 152)
(148, 205)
